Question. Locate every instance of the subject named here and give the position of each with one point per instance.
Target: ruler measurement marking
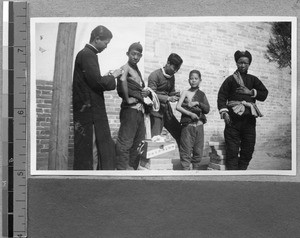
(16, 217)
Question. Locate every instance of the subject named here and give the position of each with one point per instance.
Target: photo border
(146, 173)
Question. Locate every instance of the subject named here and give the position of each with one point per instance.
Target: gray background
(203, 206)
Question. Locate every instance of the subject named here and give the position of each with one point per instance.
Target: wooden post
(61, 97)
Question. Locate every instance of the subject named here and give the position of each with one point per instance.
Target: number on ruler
(19, 50)
(11, 160)
(20, 112)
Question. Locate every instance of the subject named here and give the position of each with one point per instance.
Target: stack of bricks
(217, 156)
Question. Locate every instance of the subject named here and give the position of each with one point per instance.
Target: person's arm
(153, 84)
(205, 107)
(173, 95)
(260, 91)
(223, 95)
(192, 106)
(91, 71)
(124, 86)
(183, 110)
(81, 89)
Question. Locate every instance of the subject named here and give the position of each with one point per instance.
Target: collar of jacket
(92, 48)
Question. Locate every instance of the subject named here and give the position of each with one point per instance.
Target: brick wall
(43, 122)
(208, 47)
(43, 110)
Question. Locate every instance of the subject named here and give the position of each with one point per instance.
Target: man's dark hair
(195, 71)
(102, 32)
(175, 59)
(136, 46)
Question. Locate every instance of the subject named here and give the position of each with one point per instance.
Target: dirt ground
(267, 159)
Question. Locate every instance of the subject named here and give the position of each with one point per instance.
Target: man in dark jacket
(93, 145)
(162, 82)
(236, 103)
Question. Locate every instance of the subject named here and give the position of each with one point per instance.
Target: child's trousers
(131, 134)
(191, 146)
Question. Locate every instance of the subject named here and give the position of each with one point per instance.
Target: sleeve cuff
(222, 111)
(254, 93)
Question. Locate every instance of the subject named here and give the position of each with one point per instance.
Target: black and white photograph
(158, 119)
(143, 96)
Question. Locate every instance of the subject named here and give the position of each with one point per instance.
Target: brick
(42, 136)
(44, 105)
(43, 115)
(162, 161)
(216, 143)
(216, 166)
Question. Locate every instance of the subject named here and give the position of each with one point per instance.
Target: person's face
(243, 64)
(194, 80)
(171, 69)
(134, 56)
(101, 44)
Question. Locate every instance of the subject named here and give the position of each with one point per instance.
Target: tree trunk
(61, 97)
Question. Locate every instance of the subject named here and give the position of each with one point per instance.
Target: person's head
(194, 78)
(134, 53)
(243, 60)
(100, 37)
(173, 64)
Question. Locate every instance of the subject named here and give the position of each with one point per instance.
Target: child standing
(132, 130)
(193, 105)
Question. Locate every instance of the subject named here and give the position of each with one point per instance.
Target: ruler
(14, 176)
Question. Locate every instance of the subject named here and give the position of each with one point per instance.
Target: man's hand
(84, 106)
(145, 93)
(226, 118)
(194, 116)
(132, 100)
(192, 104)
(175, 94)
(117, 73)
(244, 90)
(173, 99)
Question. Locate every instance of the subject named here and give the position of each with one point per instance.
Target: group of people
(94, 148)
